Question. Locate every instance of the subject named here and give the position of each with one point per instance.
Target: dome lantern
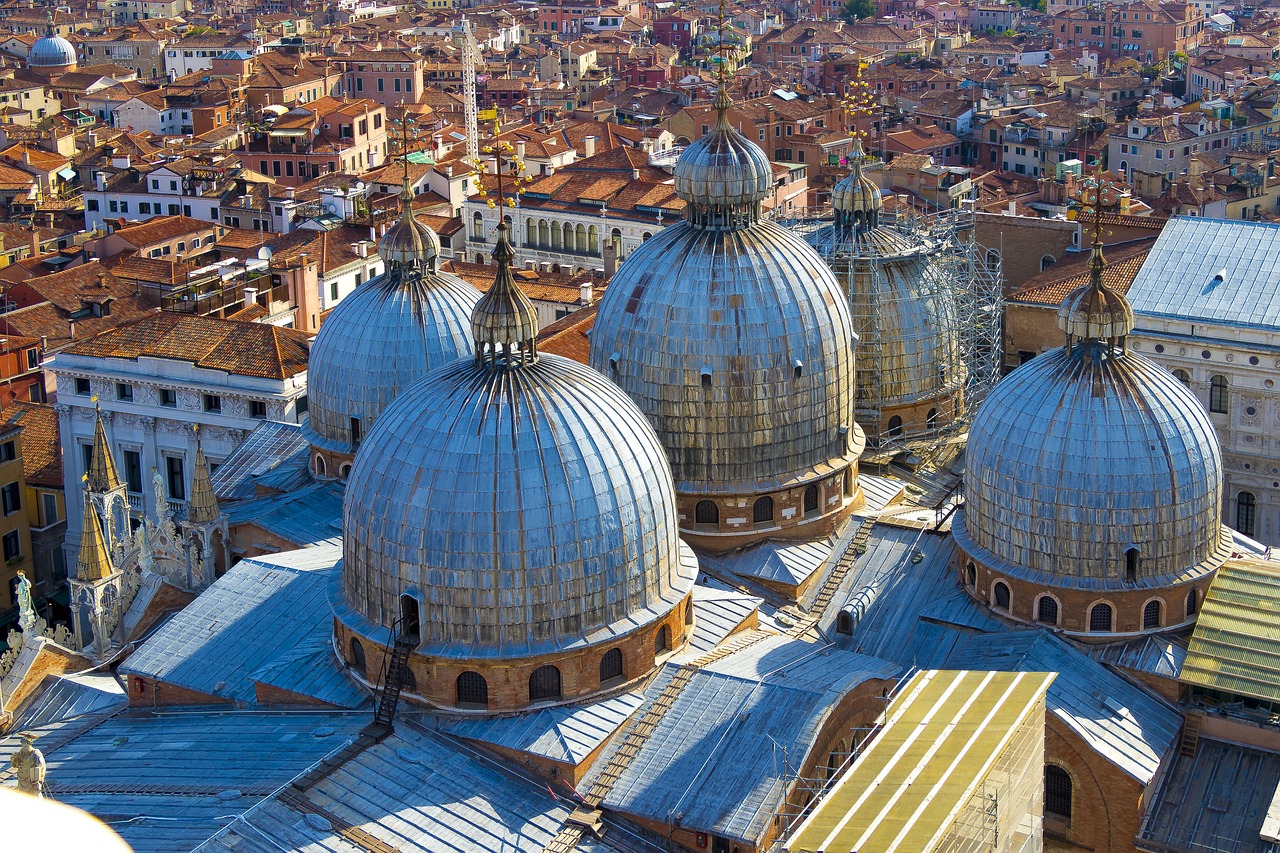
(1095, 312)
(505, 321)
(857, 201)
(723, 176)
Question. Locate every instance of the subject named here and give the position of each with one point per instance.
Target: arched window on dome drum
(611, 665)
(1100, 618)
(544, 683)
(1192, 600)
(473, 690)
(1131, 555)
(1246, 512)
(848, 482)
(321, 468)
(931, 419)
(345, 470)
(1182, 376)
(971, 575)
(811, 500)
(1057, 792)
(357, 657)
(1047, 610)
(662, 642)
(844, 623)
(355, 431)
(1218, 402)
(762, 510)
(895, 427)
(1151, 615)
(408, 681)
(1002, 595)
(706, 512)
(688, 612)
(409, 622)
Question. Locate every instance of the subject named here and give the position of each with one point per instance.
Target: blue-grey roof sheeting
(308, 517)
(412, 792)
(879, 491)
(717, 613)
(269, 446)
(1155, 655)
(68, 697)
(715, 759)
(254, 619)
(312, 670)
(567, 734)
(1122, 723)
(174, 765)
(777, 561)
(1178, 277)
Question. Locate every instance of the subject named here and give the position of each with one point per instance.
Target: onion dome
(734, 338)
(1091, 466)
(723, 173)
(52, 51)
(856, 200)
(522, 499)
(385, 336)
(408, 242)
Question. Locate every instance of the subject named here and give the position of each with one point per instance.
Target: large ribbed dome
(1085, 453)
(384, 337)
(523, 498)
(734, 338)
(51, 52)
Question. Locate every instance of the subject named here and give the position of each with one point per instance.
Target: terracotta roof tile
(568, 336)
(41, 446)
(1051, 287)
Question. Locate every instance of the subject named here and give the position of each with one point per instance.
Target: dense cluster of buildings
(642, 426)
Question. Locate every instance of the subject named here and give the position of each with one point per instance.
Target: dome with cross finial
(511, 511)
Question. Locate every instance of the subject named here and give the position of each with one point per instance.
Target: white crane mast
(470, 58)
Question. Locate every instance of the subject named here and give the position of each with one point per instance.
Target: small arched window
(706, 377)
(473, 690)
(1131, 555)
(971, 576)
(1193, 599)
(931, 419)
(993, 257)
(611, 665)
(1047, 261)
(1246, 513)
(688, 612)
(706, 512)
(1047, 610)
(1100, 618)
(321, 468)
(357, 657)
(477, 226)
(544, 683)
(1002, 595)
(345, 470)
(844, 623)
(895, 427)
(762, 510)
(1218, 395)
(662, 641)
(1057, 792)
(1151, 615)
(1182, 376)
(810, 500)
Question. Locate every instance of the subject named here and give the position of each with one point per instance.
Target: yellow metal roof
(942, 734)
(1236, 644)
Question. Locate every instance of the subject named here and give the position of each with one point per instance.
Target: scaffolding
(926, 301)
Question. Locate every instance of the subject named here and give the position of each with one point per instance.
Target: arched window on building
(1047, 610)
(611, 665)
(1193, 599)
(477, 226)
(811, 500)
(1100, 618)
(993, 257)
(1218, 389)
(472, 690)
(762, 510)
(1246, 513)
(1057, 792)
(1151, 615)
(544, 683)
(1002, 595)
(357, 657)
(971, 576)
(662, 641)
(706, 512)
(531, 233)
(1182, 376)
(895, 427)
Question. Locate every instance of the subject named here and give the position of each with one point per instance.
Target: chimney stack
(589, 146)
(586, 292)
(610, 259)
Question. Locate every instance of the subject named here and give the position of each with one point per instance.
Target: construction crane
(470, 58)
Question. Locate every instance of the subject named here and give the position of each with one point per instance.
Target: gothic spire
(204, 504)
(102, 477)
(94, 563)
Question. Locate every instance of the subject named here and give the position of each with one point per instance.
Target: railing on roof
(208, 299)
(666, 159)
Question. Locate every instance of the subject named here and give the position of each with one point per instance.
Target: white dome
(51, 52)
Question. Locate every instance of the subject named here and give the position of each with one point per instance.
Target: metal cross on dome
(1097, 195)
(499, 149)
(404, 123)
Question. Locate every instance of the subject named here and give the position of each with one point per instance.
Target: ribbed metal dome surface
(1079, 455)
(51, 52)
(757, 312)
(529, 506)
(388, 334)
(723, 168)
(408, 241)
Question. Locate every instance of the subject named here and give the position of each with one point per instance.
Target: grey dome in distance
(51, 52)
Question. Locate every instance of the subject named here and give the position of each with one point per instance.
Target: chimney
(250, 296)
(71, 330)
(635, 174)
(520, 148)
(290, 193)
(93, 139)
(531, 265)
(120, 161)
(589, 146)
(546, 266)
(610, 259)
(1013, 208)
(586, 292)
(35, 240)
(99, 181)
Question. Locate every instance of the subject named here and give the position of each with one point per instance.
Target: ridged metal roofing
(738, 347)
(68, 697)
(723, 168)
(385, 336)
(1179, 277)
(51, 52)
(1235, 647)
(271, 446)
(1083, 453)
(308, 516)
(529, 506)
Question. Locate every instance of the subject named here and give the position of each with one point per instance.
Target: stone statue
(26, 613)
(162, 495)
(28, 766)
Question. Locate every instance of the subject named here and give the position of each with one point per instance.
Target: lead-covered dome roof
(723, 168)
(1085, 453)
(387, 335)
(732, 335)
(526, 502)
(51, 51)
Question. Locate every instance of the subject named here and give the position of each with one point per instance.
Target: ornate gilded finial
(858, 100)
(1094, 311)
(404, 122)
(722, 101)
(505, 321)
(1097, 196)
(204, 504)
(102, 476)
(408, 244)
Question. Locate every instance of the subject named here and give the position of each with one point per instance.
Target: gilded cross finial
(858, 100)
(1097, 196)
(500, 147)
(404, 123)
